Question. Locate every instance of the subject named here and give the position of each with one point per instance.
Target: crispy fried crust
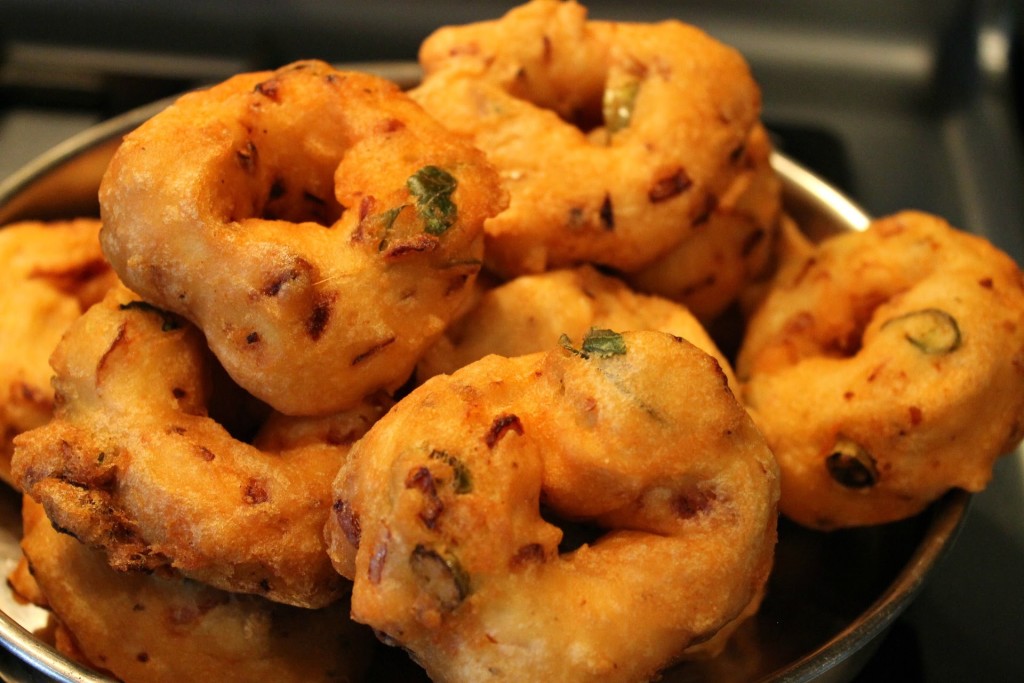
(614, 138)
(317, 225)
(53, 271)
(132, 462)
(145, 628)
(438, 514)
(887, 367)
(732, 249)
(531, 312)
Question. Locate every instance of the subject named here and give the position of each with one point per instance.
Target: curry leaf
(433, 188)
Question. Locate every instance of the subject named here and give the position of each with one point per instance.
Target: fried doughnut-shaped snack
(530, 313)
(317, 225)
(449, 506)
(614, 139)
(132, 463)
(886, 368)
(148, 628)
(53, 271)
(732, 249)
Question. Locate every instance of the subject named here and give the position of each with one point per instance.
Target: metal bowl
(831, 597)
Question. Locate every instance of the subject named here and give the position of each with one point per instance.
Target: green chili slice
(617, 105)
(440, 576)
(385, 222)
(850, 465)
(930, 330)
(462, 482)
(169, 321)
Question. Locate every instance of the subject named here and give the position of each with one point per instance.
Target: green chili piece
(617, 105)
(440, 576)
(566, 344)
(931, 330)
(386, 221)
(851, 465)
(170, 322)
(462, 482)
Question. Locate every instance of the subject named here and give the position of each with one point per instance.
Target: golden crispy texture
(790, 245)
(317, 225)
(53, 271)
(24, 586)
(732, 249)
(441, 504)
(132, 463)
(613, 138)
(531, 312)
(150, 629)
(886, 368)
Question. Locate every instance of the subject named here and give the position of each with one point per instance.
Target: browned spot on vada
(732, 248)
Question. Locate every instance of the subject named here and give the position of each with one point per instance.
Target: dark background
(900, 103)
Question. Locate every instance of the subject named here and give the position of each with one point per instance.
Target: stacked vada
(437, 363)
(145, 627)
(902, 431)
(292, 246)
(620, 143)
(289, 243)
(55, 270)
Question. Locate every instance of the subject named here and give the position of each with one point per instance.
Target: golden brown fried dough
(531, 312)
(53, 271)
(316, 224)
(613, 138)
(729, 251)
(132, 462)
(886, 368)
(148, 629)
(636, 434)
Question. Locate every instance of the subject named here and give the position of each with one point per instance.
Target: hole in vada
(575, 533)
(586, 111)
(612, 109)
(297, 204)
(848, 339)
(235, 409)
(586, 117)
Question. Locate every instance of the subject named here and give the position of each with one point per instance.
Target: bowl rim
(858, 640)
